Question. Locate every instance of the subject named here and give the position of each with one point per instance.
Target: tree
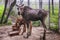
(53, 7)
(11, 7)
(40, 4)
(59, 15)
(21, 1)
(49, 12)
(6, 1)
(28, 2)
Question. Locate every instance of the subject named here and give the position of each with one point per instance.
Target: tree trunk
(40, 4)
(6, 1)
(59, 15)
(49, 13)
(28, 2)
(52, 7)
(21, 1)
(11, 7)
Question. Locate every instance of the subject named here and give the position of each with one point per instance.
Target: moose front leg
(30, 27)
(28, 31)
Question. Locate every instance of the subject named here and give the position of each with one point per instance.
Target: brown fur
(17, 25)
(30, 14)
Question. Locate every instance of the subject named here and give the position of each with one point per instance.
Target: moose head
(20, 8)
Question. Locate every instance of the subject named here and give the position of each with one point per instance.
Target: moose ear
(17, 5)
(22, 5)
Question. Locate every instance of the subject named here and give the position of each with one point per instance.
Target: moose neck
(25, 9)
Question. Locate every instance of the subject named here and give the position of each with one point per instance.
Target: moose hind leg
(43, 23)
(44, 34)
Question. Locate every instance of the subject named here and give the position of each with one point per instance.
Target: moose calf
(20, 21)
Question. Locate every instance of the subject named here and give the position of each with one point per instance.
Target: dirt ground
(37, 32)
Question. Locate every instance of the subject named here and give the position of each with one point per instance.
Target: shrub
(36, 23)
(1, 12)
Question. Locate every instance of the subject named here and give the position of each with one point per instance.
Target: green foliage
(54, 19)
(55, 28)
(1, 12)
(12, 12)
(36, 23)
(0, 0)
(9, 22)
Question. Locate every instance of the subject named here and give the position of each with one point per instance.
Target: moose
(30, 14)
(20, 21)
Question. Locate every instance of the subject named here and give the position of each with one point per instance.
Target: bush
(54, 19)
(1, 12)
(55, 28)
(36, 23)
(12, 12)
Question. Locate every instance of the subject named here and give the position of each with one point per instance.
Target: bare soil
(37, 32)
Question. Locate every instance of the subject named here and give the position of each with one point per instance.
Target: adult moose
(30, 14)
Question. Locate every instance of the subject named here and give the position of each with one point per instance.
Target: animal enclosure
(10, 9)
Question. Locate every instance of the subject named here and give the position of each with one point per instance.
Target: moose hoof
(29, 34)
(25, 36)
